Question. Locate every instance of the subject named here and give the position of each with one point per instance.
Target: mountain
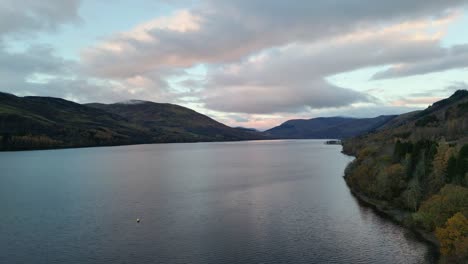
(327, 127)
(174, 123)
(415, 169)
(34, 122)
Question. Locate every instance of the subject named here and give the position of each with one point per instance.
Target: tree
(412, 195)
(453, 237)
(451, 169)
(462, 165)
(439, 165)
(435, 211)
(397, 151)
(363, 178)
(395, 180)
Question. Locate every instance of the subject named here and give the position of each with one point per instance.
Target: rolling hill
(174, 123)
(34, 122)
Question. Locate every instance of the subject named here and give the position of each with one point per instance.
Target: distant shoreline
(130, 144)
(161, 143)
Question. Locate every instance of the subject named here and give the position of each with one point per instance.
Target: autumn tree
(439, 173)
(453, 237)
(391, 181)
(412, 195)
(435, 211)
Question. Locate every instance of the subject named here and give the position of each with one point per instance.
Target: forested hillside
(419, 167)
(44, 122)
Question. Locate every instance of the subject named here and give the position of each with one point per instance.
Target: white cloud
(228, 31)
(292, 78)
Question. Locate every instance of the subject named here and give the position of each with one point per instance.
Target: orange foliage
(454, 237)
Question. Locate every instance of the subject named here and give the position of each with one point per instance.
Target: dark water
(245, 202)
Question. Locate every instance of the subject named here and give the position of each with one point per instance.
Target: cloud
(292, 78)
(259, 57)
(18, 17)
(227, 31)
(356, 50)
(275, 99)
(37, 63)
(38, 70)
(446, 59)
(272, 56)
(415, 101)
(35, 59)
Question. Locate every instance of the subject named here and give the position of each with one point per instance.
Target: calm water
(244, 202)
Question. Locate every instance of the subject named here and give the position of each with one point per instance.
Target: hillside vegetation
(419, 166)
(43, 122)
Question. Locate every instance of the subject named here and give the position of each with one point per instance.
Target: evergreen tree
(451, 169)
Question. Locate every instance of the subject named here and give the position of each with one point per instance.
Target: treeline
(65, 138)
(439, 158)
(15, 142)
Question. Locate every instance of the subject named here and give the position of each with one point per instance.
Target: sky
(249, 63)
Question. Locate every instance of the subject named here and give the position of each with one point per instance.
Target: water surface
(242, 202)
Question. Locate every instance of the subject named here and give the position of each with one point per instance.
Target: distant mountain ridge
(327, 127)
(34, 122)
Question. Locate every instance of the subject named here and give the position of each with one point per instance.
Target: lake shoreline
(396, 215)
(152, 143)
(129, 144)
(160, 143)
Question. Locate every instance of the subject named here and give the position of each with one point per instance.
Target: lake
(235, 202)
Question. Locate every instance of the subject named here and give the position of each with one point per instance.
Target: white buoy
(138, 220)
